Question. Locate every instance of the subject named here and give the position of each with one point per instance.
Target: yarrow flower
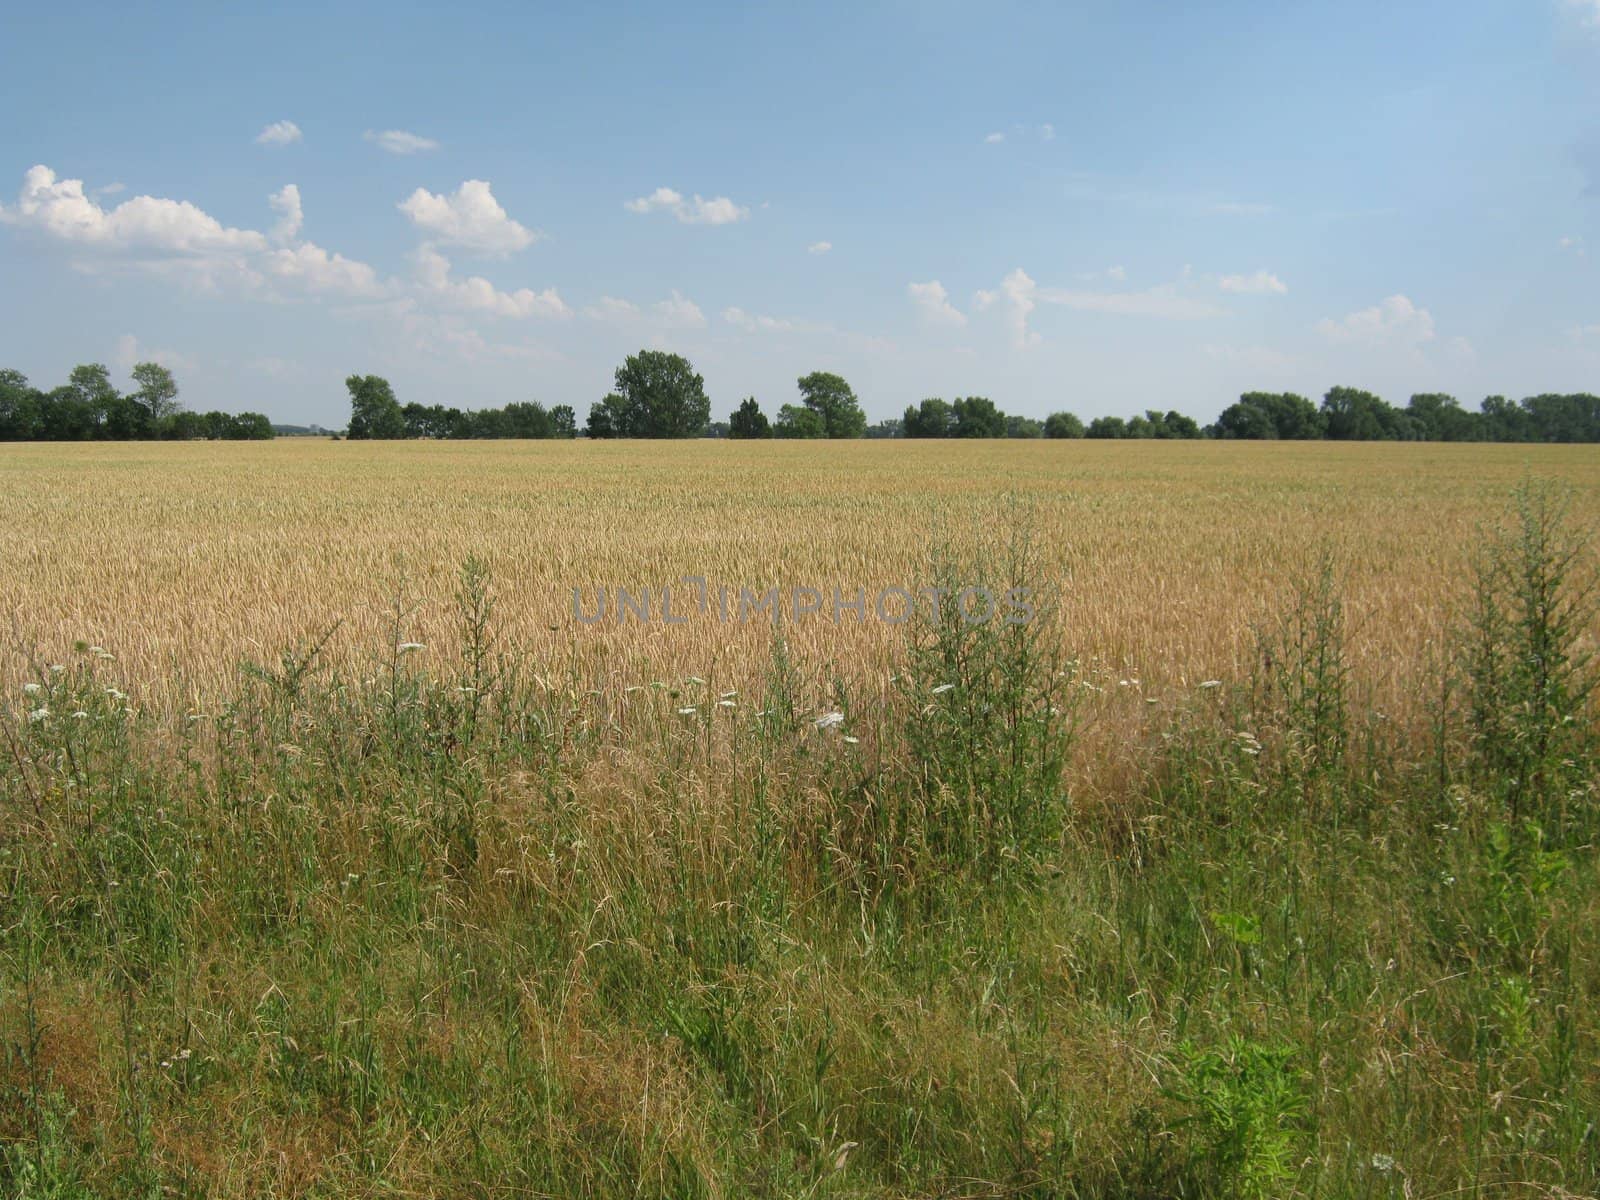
(31, 689)
(38, 715)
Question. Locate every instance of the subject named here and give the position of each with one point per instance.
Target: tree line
(88, 408)
(657, 394)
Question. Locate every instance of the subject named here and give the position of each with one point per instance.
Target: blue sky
(1102, 207)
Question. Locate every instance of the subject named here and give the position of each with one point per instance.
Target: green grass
(509, 933)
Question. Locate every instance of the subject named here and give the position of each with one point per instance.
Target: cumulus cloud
(398, 141)
(279, 133)
(679, 310)
(994, 139)
(755, 323)
(819, 247)
(1395, 321)
(696, 210)
(1018, 295)
(314, 269)
(286, 203)
(477, 294)
(60, 209)
(933, 302)
(471, 218)
(1260, 283)
(610, 308)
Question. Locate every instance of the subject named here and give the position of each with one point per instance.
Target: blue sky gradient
(1102, 207)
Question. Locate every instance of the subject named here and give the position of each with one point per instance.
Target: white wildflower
(943, 688)
(686, 710)
(31, 689)
(829, 720)
(39, 714)
(409, 647)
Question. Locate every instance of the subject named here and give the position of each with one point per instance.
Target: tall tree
(374, 412)
(158, 390)
(830, 397)
(658, 395)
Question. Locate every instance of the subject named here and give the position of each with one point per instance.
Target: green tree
(374, 412)
(798, 421)
(830, 397)
(158, 390)
(977, 417)
(1023, 427)
(748, 421)
(1063, 425)
(932, 418)
(1107, 427)
(658, 395)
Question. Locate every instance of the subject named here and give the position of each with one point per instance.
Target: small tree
(1063, 425)
(930, 419)
(748, 421)
(796, 421)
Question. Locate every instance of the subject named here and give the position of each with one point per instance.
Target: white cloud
(398, 141)
(1117, 273)
(819, 247)
(60, 209)
(933, 302)
(1574, 245)
(1019, 291)
(1260, 283)
(316, 270)
(471, 218)
(719, 210)
(110, 189)
(1395, 321)
(286, 203)
(994, 139)
(279, 133)
(609, 308)
(755, 323)
(477, 294)
(679, 310)
(129, 352)
(1019, 295)
(1047, 132)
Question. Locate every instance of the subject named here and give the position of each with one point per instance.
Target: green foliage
(374, 412)
(748, 421)
(1245, 1103)
(1063, 425)
(658, 395)
(1529, 667)
(830, 397)
(797, 421)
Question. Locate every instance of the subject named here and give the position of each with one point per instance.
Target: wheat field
(184, 560)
